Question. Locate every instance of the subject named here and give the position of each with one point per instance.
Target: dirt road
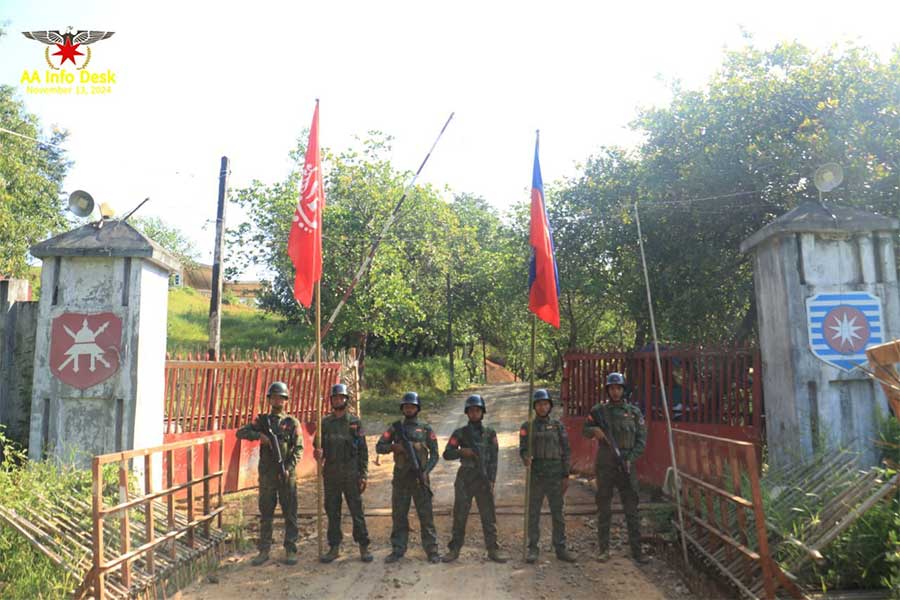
(471, 575)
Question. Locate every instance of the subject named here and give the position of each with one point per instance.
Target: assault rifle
(482, 465)
(410, 450)
(603, 424)
(266, 430)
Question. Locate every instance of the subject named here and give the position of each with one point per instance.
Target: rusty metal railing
(724, 514)
(155, 521)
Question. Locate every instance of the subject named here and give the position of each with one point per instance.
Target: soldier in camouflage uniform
(625, 423)
(475, 446)
(346, 466)
(277, 484)
(549, 465)
(405, 486)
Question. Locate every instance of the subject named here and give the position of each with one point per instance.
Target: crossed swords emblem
(84, 343)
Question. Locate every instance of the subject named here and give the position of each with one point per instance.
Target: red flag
(543, 280)
(305, 239)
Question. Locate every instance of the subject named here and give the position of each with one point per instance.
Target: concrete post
(99, 360)
(826, 289)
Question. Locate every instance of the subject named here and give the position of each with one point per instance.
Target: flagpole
(662, 389)
(319, 416)
(530, 440)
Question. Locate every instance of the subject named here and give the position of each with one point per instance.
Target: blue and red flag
(543, 279)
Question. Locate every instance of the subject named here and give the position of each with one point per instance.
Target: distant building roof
(198, 277)
(813, 217)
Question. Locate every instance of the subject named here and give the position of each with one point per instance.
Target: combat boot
(260, 558)
(563, 555)
(451, 555)
(332, 554)
(532, 556)
(603, 556)
(392, 557)
(497, 555)
(290, 557)
(364, 554)
(434, 558)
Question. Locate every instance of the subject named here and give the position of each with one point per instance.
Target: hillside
(243, 327)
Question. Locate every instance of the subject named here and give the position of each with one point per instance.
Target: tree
(169, 237)
(719, 163)
(31, 178)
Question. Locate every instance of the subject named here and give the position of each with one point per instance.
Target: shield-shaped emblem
(85, 348)
(842, 326)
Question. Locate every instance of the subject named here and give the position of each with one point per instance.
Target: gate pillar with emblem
(826, 289)
(99, 361)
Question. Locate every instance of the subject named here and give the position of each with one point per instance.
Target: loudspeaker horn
(81, 204)
(828, 177)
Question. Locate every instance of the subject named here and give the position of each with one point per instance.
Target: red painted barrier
(221, 396)
(713, 391)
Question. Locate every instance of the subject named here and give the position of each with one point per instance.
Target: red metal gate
(205, 396)
(714, 391)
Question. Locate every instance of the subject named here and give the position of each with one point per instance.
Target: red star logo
(68, 51)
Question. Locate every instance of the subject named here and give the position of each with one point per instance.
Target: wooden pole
(484, 358)
(450, 335)
(215, 300)
(319, 491)
(530, 441)
(662, 386)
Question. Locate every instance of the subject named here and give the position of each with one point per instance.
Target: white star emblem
(845, 330)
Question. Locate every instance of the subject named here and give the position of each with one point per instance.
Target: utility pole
(450, 334)
(215, 301)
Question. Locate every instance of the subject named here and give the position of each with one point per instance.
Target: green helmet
(615, 379)
(340, 389)
(410, 398)
(475, 400)
(279, 388)
(541, 394)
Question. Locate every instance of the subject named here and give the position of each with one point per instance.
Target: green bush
(24, 571)
(386, 379)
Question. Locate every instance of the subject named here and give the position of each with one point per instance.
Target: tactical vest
(418, 435)
(284, 428)
(340, 442)
(476, 440)
(622, 424)
(545, 445)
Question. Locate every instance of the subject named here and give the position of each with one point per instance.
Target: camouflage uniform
(471, 482)
(626, 423)
(346, 459)
(549, 467)
(405, 487)
(272, 489)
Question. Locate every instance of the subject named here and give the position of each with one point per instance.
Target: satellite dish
(81, 204)
(828, 177)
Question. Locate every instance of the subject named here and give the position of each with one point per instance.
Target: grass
(387, 379)
(243, 327)
(25, 572)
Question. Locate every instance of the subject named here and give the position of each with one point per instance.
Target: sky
(196, 81)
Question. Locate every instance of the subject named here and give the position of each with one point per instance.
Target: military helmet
(410, 398)
(541, 394)
(340, 389)
(279, 388)
(615, 379)
(475, 400)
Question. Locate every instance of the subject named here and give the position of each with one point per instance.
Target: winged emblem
(68, 42)
(78, 38)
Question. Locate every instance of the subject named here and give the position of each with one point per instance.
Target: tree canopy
(715, 165)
